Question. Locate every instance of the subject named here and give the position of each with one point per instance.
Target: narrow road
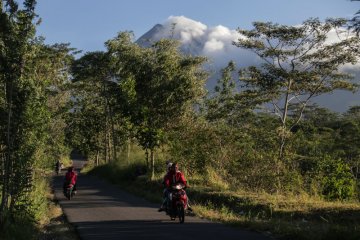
(103, 211)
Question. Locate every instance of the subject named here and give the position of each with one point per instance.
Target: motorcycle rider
(70, 178)
(174, 176)
(57, 166)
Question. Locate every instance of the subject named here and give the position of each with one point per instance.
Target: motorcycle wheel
(181, 213)
(69, 193)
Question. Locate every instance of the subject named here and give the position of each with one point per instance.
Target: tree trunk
(114, 139)
(97, 158)
(152, 156)
(147, 159)
(105, 148)
(128, 150)
(283, 135)
(284, 119)
(109, 146)
(7, 164)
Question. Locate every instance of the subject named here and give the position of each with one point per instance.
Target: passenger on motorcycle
(165, 192)
(70, 179)
(174, 176)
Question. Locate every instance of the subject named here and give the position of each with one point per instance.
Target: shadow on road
(157, 229)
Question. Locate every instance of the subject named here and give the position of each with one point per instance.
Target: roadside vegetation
(46, 220)
(283, 216)
(256, 150)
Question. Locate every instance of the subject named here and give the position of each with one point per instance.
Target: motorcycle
(177, 202)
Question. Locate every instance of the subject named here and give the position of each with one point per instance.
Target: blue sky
(87, 24)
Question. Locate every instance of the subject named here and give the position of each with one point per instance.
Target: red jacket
(71, 178)
(172, 178)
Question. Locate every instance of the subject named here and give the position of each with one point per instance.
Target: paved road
(102, 211)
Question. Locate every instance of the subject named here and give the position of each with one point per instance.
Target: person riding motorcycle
(174, 176)
(70, 179)
(57, 166)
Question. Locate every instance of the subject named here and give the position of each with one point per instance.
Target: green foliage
(32, 75)
(26, 216)
(337, 180)
(298, 64)
(38, 198)
(354, 23)
(157, 86)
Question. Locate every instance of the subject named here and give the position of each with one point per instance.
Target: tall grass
(34, 222)
(23, 223)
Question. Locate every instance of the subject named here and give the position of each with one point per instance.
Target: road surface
(103, 211)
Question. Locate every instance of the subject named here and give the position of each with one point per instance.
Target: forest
(257, 131)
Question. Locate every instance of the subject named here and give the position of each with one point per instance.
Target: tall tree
(221, 104)
(31, 73)
(160, 84)
(92, 85)
(355, 21)
(299, 64)
(16, 30)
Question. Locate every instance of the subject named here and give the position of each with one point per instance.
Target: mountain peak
(151, 36)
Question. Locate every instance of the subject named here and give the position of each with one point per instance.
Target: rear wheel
(181, 213)
(69, 193)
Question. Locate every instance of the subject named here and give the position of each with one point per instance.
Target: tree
(31, 73)
(355, 22)
(15, 32)
(299, 64)
(226, 103)
(222, 103)
(93, 92)
(157, 85)
(348, 139)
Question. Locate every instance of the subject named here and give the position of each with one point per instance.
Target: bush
(337, 182)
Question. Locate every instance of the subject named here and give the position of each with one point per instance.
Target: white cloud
(216, 44)
(213, 45)
(213, 42)
(184, 29)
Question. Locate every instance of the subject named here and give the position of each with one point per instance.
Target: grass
(48, 222)
(55, 225)
(285, 217)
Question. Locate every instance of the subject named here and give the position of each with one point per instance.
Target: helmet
(168, 166)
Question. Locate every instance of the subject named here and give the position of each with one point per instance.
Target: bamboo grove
(257, 129)
(32, 78)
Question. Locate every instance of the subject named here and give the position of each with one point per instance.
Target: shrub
(337, 181)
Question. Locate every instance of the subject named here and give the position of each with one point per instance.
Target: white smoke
(212, 42)
(216, 44)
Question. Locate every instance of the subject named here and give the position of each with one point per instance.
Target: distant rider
(57, 166)
(70, 179)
